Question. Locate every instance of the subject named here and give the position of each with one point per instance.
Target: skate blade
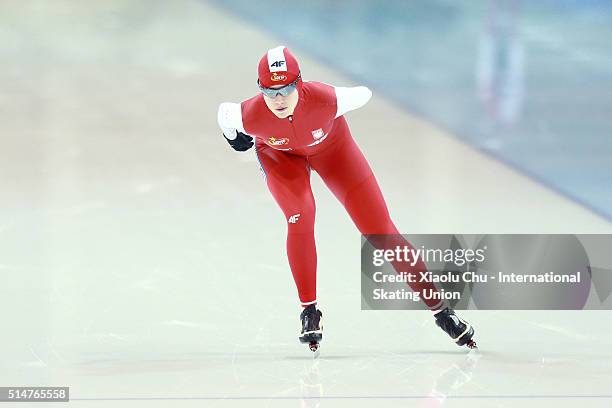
(315, 347)
(466, 337)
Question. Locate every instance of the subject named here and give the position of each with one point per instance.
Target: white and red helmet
(278, 67)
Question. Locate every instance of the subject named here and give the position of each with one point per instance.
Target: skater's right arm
(229, 118)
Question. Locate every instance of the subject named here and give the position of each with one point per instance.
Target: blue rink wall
(529, 83)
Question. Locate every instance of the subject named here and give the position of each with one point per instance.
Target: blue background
(529, 83)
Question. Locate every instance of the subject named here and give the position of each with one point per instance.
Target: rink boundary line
(347, 397)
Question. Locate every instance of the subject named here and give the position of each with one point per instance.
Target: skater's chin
(282, 112)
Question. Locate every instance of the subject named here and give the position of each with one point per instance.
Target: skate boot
(312, 328)
(458, 329)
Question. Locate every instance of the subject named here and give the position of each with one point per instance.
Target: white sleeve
(230, 119)
(348, 99)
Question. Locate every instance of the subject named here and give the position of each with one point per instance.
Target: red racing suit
(317, 137)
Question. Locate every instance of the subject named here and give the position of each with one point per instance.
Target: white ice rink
(143, 260)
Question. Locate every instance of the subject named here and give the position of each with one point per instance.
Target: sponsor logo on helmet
(276, 77)
(277, 64)
(277, 142)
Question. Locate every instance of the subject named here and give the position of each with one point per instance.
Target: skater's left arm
(348, 99)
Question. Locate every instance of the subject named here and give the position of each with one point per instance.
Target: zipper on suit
(292, 127)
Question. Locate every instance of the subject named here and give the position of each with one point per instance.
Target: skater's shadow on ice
(369, 354)
(434, 352)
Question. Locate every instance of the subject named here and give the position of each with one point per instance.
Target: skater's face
(282, 105)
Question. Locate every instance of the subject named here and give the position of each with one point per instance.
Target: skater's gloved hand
(241, 143)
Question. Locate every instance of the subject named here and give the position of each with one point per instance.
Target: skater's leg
(348, 175)
(288, 179)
